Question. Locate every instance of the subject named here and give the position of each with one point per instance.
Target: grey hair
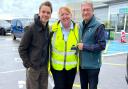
(89, 2)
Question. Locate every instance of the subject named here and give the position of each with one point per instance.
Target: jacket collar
(71, 26)
(92, 22)
(38, 23)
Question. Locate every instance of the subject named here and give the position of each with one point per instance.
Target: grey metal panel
(101, 14)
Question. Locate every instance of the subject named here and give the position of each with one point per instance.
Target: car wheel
(14, 37)
(3, 32)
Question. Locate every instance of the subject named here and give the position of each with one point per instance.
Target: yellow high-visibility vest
(62, 55)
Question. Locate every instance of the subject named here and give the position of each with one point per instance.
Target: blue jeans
(89, 78)
(63, 79)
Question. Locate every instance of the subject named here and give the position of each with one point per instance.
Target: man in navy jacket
(92, 42)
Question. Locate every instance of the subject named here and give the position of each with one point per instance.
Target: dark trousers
(89, 78)
(37, 78)
(63, 79)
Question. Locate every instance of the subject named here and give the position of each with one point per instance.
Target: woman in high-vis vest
(64, 59)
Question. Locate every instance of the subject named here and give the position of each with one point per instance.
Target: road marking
(6, 45)
(21, 84)
(76, 85)
(12, 71)
(113, 54)
(50, 80)
(105, 51)
(113, 64)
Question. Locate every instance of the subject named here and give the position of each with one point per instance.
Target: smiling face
(45, 13)
(65, 16)
(87, 11)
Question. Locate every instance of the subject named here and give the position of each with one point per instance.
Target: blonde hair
(65, 8)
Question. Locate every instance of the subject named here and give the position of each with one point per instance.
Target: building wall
(101, 14)
(114, 8)
(76, 12)
(117, 17)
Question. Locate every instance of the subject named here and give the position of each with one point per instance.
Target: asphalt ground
(112, 73)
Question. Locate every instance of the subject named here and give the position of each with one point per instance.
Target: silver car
(5, 27)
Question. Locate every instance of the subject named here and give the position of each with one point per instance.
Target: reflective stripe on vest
(62, 53)
(58, 65)
(67, 63)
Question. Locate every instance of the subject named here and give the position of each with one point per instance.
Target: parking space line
(114, 54)
(105, 51)
(113, 64)
(6, 45)
(50, 80)
(76, 85)
(21, 84)
(12, 71)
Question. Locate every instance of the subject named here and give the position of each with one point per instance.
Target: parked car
(5, 27)
(16, 29)
(127, 69)
(18, 26)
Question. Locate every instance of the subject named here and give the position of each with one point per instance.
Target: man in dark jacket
(34, 49)
(92, 36)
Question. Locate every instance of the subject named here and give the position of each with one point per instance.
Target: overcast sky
(26, 8)
(20, 8)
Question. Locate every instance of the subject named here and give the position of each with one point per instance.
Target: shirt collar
(71, 26)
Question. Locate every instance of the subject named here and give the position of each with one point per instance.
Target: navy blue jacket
(92, 35)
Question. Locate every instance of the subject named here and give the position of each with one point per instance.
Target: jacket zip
(65, 54)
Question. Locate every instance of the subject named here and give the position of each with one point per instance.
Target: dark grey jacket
(34, 46)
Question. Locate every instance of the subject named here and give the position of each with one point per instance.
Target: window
(127, 24)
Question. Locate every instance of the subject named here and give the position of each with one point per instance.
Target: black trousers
(89, 78)
(63, 79)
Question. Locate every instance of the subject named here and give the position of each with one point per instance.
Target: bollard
(123, 36)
